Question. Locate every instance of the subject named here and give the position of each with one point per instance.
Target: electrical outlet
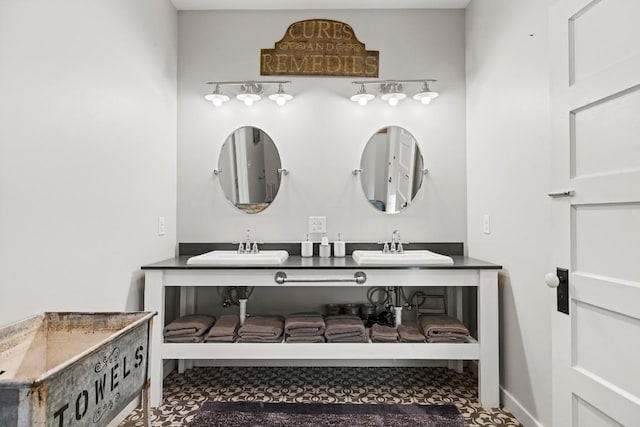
(161, 227)
(317, 224)
(486, 224)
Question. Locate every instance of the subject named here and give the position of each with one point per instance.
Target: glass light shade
(248, 98)
(393, 97)
(425, 97)
(217, 99)
(362, 98)
(280, 98)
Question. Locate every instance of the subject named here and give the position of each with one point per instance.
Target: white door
(406, 164)
(392, 170)
(595, 148)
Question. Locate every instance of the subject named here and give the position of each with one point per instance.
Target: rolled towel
(190, 325)
(344, 328)
(410, 334)
(305, 338)
(225, 329)
(262, 326)
(443, 327)
(304, 324)
(380, 333)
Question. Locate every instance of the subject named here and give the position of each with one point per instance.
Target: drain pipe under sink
(398, 307)
(243, 310)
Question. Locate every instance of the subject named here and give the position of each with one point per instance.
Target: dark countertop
(454, 250)
(298, 262)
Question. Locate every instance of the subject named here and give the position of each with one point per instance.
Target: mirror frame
(372, 182)
(240, 186)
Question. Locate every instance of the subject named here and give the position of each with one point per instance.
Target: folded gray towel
(410, 334)
(348, 339)
(344, 327)
(189, 325)
(445, 339)
(227, 338)
(304, 324)
(260, 339)
(226, 326)
(184, 339)
(443, 327)
(380, 333)
(262, 326)
(305, 338)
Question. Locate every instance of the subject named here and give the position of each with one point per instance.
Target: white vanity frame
(484, 277)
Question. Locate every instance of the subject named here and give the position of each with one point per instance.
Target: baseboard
(512, 405)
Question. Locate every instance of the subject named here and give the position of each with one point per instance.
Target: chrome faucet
(395, 239)
(247, 244)
(247, 247)
(396, 245)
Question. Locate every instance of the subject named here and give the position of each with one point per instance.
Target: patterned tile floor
(185, 393)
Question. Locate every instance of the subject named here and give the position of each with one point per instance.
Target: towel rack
(359, 277)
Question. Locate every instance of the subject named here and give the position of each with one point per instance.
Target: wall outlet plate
(317, 224)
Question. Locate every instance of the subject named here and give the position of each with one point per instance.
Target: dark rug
(260, 414)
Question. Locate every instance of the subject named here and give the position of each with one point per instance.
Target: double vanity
(365, 266)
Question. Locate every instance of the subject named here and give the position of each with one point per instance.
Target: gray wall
(87, 151)
(321, 134)
(508, 178)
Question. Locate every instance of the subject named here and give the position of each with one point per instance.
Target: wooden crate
(73, 369)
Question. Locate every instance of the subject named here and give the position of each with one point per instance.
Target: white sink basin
(405, 258)
(234, 258)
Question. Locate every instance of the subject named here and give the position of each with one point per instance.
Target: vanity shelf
(327, 351)
(465, 272)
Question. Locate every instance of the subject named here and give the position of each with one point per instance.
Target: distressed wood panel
(319, 47)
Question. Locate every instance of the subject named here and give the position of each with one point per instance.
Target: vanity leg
(154, 301)
(488, 338)
(454, 308)
(187, 306)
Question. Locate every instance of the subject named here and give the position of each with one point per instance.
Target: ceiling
(317, 4)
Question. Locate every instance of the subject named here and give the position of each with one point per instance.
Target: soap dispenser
(325, 249)
(339, 247)
(306, 248)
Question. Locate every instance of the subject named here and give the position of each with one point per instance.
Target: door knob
(551, 279)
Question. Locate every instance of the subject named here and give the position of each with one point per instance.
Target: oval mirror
(392, 169)
(248, 169)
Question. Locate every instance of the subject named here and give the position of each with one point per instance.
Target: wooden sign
(319, 47)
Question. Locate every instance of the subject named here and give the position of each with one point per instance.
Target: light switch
(486, 224)
(161, 227)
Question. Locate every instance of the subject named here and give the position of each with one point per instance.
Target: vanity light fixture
(393, 91)
(280, 97)
(362, 97)
(250, 92)
(217, 97)
(426, 95)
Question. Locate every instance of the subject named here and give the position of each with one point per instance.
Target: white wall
(508, 177)
(321, 134)
(87, 151)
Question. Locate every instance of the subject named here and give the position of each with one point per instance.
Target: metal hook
(425, 171)
(217, 172)
(356, 171)
(283, 171)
